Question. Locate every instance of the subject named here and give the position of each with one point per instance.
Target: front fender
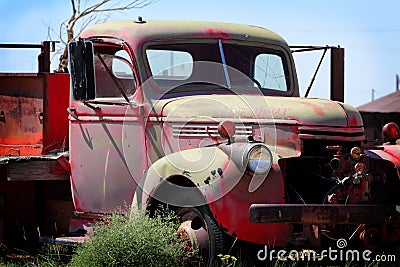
(389, 152)
(225, 188)
(201, 166)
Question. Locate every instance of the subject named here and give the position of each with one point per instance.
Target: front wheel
(201, 232)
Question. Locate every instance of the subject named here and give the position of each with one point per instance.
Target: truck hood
(288, 110)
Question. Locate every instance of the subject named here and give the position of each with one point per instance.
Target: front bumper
(324, 214)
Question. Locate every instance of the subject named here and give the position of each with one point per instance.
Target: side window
(269, 72)
(120, 67)
(113, 70)
(170, 64)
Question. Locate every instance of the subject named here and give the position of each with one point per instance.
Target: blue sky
(368, 30)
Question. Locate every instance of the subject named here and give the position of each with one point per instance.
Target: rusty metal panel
(101, 177)
(21, 103)
(323, 214)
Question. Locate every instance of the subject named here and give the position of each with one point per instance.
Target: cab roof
(138, 32)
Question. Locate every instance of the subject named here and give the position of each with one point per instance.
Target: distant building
(379, 112)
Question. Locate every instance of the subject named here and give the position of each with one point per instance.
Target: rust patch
(317, 109)
(20, 131)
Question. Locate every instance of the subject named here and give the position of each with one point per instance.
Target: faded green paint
(259, 109)
(193, 164)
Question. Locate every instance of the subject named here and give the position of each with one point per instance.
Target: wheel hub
(195, 235)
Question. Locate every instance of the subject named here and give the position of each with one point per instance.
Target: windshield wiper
(221, 50)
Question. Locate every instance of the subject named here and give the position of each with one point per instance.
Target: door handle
(71, 111)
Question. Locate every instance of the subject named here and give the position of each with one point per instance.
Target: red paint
(64, 164)
(317, 109)
(232, 210)
(226, 129)
(390, 153)
(391, 131)
(55, 126)
(219, 34)
(354, 121)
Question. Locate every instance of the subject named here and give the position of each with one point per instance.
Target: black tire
(205, 220)
(216, 241)
(185, 199)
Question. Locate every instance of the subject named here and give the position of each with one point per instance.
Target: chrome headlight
(259, 159)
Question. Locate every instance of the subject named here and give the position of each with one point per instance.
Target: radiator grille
(206, 130)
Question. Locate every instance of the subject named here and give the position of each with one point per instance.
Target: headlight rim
(246, 159)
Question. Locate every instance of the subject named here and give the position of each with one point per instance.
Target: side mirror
(81, 65)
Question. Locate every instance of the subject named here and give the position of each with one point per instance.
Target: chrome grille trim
(206, 130)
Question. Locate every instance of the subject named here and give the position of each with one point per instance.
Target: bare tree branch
(89, 14)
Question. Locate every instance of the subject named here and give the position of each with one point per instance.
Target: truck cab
(206, 119)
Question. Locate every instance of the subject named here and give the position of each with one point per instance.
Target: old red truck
(204, 118)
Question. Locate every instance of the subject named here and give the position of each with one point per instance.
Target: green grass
(118, 241)
(138, 241)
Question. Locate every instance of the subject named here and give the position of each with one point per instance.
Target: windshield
(218, 64)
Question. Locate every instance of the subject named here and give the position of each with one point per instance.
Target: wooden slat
(34, 168)
(33, 171)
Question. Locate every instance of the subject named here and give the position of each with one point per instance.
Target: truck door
(107, 141)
